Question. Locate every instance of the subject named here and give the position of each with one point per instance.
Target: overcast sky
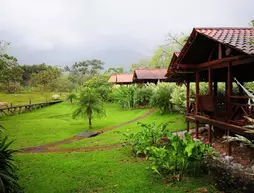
(119, 32)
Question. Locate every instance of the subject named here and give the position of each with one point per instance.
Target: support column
(210, 83)
(197, 101)
(228, 105)
(215, 88)
(210, 134)
(229, 148)
(188, 104)
(197, 92)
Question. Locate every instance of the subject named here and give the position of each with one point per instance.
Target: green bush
(8, 176)
(124, 95)
(143, 95)
(171, 155)
(150, 135)
(178, 98)
(183, 156)
(161, 97)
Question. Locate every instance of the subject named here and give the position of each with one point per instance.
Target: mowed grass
(55, 123)
(114, 136)
(23, 98)
(103, 171)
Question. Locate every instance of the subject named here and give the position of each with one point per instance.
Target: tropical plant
(89, 105)
(143, 95)
(241, 138)
(124, 96)
(150, 135)
(71, 96)
(8, 176)
(178, 98)
(161, 97)
(182, 156)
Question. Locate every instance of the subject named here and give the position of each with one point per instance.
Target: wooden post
(209, 134)
(188, 103)
(219, 51)
(215, 88)
(197, 127)
(210, 86)
(229, 149)
(229, 90)
(197, 92)
(30, 101)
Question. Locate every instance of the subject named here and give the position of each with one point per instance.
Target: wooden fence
(13, 110)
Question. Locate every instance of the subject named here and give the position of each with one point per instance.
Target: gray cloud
(118, 32)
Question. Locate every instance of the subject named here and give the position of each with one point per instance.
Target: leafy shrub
(8, 177)
(124, 96)
(178, 98)
(71, 96)
(143, 95)
(150, 135)
(171, 155)
(183, 156)
(161, 97)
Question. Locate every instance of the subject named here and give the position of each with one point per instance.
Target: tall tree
(111, 71)
(81, 71)
(142, 63)
(163, 54)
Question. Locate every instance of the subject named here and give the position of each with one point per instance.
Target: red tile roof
(238, 38)
(124, 78)
(150, 74)
(112, 78)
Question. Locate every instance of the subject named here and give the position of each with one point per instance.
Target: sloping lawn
(102, 171)
(55, 123)
(23, 98)
(114, 136)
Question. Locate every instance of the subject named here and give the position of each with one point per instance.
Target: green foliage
(143, 95)
(171, 155)
(111, 71)
(71, 96)
(161, 97)
(150, 135)
(89, 105)
(180, 157)
(163, 54)
(10, 73)
(178, 98)
(124, 95)
(8, 176)
(101, 84)
(84, 70)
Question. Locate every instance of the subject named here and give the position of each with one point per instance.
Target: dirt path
(52, 147)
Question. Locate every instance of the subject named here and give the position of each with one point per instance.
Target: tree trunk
(90, 122)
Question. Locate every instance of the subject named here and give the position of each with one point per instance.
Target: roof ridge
(196, 28)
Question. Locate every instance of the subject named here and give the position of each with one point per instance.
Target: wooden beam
(220, 63)
(219, 51)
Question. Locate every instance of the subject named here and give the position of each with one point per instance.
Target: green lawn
(113, 136)
(102, 171)
(23, 98)
(89, 172)
(55, 123)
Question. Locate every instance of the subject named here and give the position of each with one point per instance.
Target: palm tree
(71, 96)
(89, 105)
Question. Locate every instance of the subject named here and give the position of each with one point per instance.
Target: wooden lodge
(146, 75)
(214, 55)
(123, 79)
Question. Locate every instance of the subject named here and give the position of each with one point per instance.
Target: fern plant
(8, 177)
